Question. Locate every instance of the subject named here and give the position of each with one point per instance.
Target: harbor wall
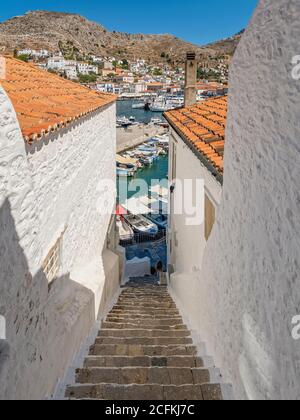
(128, 138)
(243, 300)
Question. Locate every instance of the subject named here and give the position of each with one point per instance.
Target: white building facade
(58, 269)
(241, 292)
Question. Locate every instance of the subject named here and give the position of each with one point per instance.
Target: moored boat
(125, 231)
(125, 172)
(161, 220)
(141, 224)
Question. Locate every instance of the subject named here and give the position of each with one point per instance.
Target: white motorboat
(147, 148)
(125, 172)
(125, 231)
(162, 105)
(138, 105)
(123, 122)
(156, 121)
(141, 224)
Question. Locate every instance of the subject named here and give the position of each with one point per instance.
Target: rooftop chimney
(190, 96)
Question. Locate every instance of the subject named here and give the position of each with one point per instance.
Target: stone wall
(47, 190)
(243, 300)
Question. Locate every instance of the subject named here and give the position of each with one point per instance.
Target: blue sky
(204, 20)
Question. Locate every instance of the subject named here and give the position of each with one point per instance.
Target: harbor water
(156, 251)
(153, 175)
(124, 108)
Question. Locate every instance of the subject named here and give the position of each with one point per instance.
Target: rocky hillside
(75, 35)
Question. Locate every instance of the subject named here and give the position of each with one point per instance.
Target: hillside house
(86, 68)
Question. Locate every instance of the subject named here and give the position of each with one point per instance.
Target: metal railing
(141, 238)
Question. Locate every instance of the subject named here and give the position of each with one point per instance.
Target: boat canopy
(137, 206)
(120, 211)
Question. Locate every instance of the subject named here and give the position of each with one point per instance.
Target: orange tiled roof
(45, 102)
(203, 127)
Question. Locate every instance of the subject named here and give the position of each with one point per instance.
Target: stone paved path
(145, 352)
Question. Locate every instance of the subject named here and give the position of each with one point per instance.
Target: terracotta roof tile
(203, 125)
(45, 102)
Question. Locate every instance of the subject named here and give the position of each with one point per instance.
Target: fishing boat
(141, 224)
(156, 121)
(161, 105)
(126, 162)
(149, 154)
(123, 122)
(125, 172)
(146, 161)
(162, 151)
(138, 105)
(147, 148)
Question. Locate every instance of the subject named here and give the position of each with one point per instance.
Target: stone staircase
(145, 352)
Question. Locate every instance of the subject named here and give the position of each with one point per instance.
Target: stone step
(145, 352)
(145, 287)
(145, 295)
(140, 350)
(144, 361)
(145, 311)
(138, 292)
(167, 321)
(142, 325)
(143, 333)
(142, 305)
(145, 375)
(150, 295)
(145, 341)
(113, 392)
(147, 303)
(144, 316)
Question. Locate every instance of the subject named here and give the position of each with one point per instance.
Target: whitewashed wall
(243, 300)
(188, 240)
(44, 192)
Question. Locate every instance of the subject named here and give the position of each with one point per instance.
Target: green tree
(24, 57)
(125, 64)
(87, 78)
(157, 72)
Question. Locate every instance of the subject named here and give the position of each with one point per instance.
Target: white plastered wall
(48, 189)
(243, 300)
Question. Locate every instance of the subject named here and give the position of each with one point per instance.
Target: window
(210, 217)
(53, 261)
